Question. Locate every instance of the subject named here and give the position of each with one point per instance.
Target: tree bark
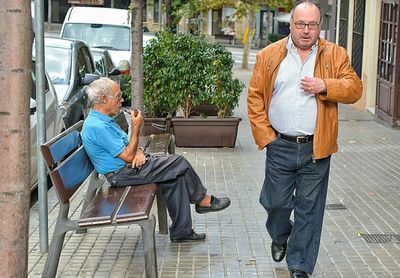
(246, 50)
(15, 90)
(137, 55)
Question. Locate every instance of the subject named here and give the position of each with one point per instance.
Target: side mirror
(32, 106)
(89, 78)
(115, 71)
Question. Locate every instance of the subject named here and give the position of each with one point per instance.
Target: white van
(102, 28)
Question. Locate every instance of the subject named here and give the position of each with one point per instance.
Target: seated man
(112, 152)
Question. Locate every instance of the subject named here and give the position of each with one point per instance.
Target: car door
(53, 120)
(84, 65)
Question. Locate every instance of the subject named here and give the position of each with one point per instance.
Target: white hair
(98, 88)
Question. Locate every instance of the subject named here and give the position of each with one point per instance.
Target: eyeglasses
(302, 25)
(118, 96)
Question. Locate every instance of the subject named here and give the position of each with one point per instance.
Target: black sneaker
(217, 204)
(192, 237)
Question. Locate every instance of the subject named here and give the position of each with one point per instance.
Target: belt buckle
(301, 139)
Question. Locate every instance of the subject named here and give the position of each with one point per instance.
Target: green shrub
(183, 71)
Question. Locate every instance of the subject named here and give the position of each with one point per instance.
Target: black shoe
(294, 273)
(192, 237)
(217, 204)
(278, 251)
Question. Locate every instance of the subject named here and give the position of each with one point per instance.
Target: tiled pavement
(363, 198)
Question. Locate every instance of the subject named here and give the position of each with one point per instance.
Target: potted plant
(182, 71)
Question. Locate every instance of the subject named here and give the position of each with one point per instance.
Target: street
(360, 231)
(237, 53)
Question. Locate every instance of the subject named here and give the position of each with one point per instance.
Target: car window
(99, 35)
(99, 63)
(58, 64)
(81, 65)
(109, 63)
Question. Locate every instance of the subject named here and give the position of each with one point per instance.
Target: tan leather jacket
(342, 84)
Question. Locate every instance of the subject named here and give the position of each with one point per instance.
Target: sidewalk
(363, 204)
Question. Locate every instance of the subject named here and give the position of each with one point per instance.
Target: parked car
(54, 121)
(70, 66)
(103, 61)
(102, 28)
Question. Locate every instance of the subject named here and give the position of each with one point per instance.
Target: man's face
(305, 26)
(114, 103)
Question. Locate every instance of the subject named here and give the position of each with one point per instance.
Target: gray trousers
(180, 186)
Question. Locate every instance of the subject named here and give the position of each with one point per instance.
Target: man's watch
(143, 150)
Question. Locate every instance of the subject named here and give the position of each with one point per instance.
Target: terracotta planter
(150, 125)
(205, 132)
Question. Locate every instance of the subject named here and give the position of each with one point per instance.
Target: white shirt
(293, 111)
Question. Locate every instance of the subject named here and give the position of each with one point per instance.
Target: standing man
(123, 163)
(293, 99)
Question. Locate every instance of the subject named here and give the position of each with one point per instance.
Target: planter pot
(151, 124)
(205, 132)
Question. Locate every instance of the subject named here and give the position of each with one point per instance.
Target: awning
(283, 17)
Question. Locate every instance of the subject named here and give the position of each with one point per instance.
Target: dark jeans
(180, 186)
(293, 181)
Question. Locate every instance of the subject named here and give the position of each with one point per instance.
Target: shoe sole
(186, 240)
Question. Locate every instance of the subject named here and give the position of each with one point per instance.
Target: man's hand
(139, 159)
(137, 119)
(313, 85)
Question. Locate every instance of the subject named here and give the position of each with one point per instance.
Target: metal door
(387, 97)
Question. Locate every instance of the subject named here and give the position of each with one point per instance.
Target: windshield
(58, 64)
(99, 35)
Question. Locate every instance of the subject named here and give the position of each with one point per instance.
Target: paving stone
(365, 178)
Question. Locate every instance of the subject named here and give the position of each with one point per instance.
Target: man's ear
(104, 99)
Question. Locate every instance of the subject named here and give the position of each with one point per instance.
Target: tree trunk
(246, 50)
(137, 55)
(15, 91)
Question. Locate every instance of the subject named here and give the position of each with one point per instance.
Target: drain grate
(335, 207)
(381, 238)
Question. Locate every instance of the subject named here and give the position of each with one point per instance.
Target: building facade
(369, 31)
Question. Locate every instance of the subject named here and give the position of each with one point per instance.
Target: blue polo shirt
(103, 141)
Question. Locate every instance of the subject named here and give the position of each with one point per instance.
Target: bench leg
(94, 183)
(53, 257)
(171, 146)
(149, 245)
(162, 213)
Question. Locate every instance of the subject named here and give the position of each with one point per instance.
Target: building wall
(370, 51)
(370, 57)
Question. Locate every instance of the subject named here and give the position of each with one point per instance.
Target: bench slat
(102, 208)
(137, 203)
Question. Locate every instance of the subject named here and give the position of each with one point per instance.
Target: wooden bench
(70, 167)
(223, 37)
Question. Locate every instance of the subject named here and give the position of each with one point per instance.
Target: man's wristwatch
(143, 150)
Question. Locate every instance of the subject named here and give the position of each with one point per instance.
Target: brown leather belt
(297, 139)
